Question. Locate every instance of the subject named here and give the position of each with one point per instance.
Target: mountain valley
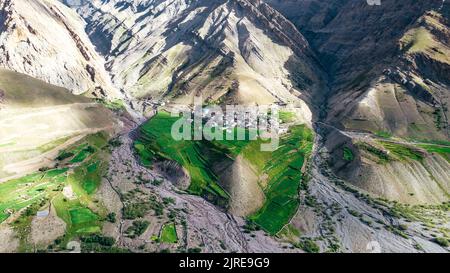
(88, 163)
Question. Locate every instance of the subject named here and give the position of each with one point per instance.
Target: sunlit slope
(46, 40)
(37, 120)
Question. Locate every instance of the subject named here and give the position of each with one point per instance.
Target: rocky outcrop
(242, 182)
(175, 173)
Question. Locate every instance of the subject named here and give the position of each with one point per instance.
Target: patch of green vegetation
(194, 250)
(115, 105)
(86, 148)
(3, 216)
(21, 193)
(438, 119)
(429, 141)
(392, 151)
(197, 157)
(250, 226)
(97, 239)
(111, 217)
(417, 40)
(52, 145)
(422, 40)
(283, 167)
(82, 215)
(442, 242)
(99, 244)
(285, 178)
(137, 228)
(22, 225)
(89, 176)
(383, 134)
(83, 154)
(55, 173)
(93, 167)
(137, 206)
(2, 145)
(169, 234)
(348, 154)
(439, 149)
(308, 245)
(286, 117)
(379, 154)
(289, 232)
(64, 155)
(80, 219)
(168, 201)
(116, 142)
(429, 215)
(402, 152)
(398, 231)
(355, 213)
(135, 210)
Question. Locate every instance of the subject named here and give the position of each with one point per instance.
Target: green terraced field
(156, 142)
(169, 234)
(82, 215)
(283, 167)
(439, 149)
(83, 154)
(402, 152)
(20, 193)
(79, 218)
(83, 174)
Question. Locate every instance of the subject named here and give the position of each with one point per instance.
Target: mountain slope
(227, 51)
(388, 69)
(46, 40)
(39, 120)
(381, 81)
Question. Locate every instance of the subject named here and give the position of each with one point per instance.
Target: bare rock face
(227, 51)
(241, 180)
(175, 173)
(46, 40)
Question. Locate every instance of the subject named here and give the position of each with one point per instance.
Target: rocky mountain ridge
(226, 51)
